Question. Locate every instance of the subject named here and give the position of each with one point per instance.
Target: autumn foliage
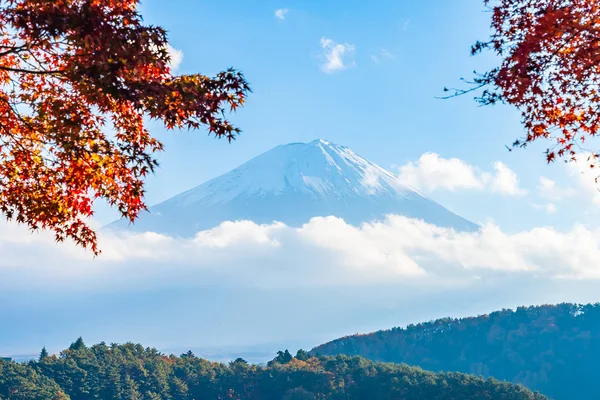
(78, 80)
(549, 70)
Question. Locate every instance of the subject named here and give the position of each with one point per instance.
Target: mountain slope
(291, 184)
(553, 349)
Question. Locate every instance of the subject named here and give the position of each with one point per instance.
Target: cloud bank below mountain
(242, 284)
(324, 252)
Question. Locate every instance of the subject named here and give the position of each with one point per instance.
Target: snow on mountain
(291, 184)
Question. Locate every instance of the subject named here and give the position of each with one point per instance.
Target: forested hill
(129, 371)
(552, 349)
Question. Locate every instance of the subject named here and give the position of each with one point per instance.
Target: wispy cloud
(548, 189)
(337, 56)
(281, 13)
(382, 55)
(549, 208)
(433, 172)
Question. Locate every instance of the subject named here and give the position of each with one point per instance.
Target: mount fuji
(291, 184)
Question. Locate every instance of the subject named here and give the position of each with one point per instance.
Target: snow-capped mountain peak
(293, 183)
(319, 168)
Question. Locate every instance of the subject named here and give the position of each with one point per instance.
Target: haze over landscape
(223, 290)
(354, 204)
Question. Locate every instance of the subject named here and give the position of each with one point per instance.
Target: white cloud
(324, 252)
(281, 13)
(586, 176)
(337, 56)
(176, 57)
(549, 208)
(382, 55)
(355, 248)
(371, 179)
(548, 189)
(505, 181)
(432, 172)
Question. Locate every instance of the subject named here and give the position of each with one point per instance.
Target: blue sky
(240, 283)
(383, 105)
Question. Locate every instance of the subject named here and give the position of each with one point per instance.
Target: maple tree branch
(26, 71)
(460, 92)
(13, 50)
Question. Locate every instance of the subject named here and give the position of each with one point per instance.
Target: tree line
(132, 372)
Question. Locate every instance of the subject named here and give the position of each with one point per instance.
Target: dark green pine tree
(189, 354)
(302, 355)
(283, 357)
(77, 345)
(43, 354)
(287, 357)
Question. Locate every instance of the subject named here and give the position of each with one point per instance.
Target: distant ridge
(291, 184)
(551, 348)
